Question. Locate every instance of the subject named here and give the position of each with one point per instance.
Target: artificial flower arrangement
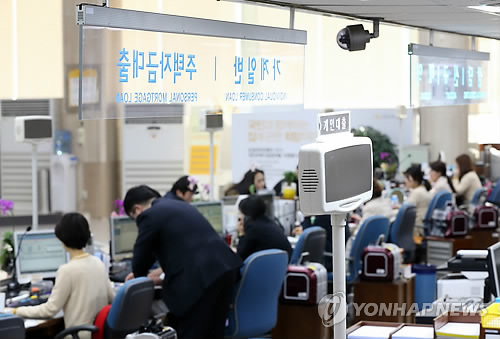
(7, 250)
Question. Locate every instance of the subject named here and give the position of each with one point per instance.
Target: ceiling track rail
(352, 16)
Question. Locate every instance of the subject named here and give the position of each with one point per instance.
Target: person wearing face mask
(200, 269)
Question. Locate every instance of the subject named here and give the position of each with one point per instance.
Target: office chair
(476, 198)
(368, 234)
(130, 309)
(311, 245)
(438, 201)
(401, 232)
(11, 326)
(494, 196)
(254, 310)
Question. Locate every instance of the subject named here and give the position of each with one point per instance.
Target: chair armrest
(73, 331)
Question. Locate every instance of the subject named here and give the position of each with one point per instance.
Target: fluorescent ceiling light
(487, 9)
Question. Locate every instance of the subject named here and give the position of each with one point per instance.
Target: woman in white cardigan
(82, 285)
(468, 181)
(419, 193)
(438, 178)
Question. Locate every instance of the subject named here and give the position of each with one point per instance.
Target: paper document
(32, 322)
(414, 332)
(459, 330)
(372, 332)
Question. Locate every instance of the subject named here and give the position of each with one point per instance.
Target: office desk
(440, 250)
(400, 292)
(45, 328)
(482, 239)
(297, 321)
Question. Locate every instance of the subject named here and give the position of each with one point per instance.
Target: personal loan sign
(155, 68)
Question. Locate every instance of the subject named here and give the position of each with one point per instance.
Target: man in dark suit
(200, 269)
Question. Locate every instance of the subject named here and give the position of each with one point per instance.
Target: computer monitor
(123, 235)
(212, 211)
(494, 269)
(41, 253)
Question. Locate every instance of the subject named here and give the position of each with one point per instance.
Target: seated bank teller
(468, 181)
(439, 179)
(257, 232)
(419, 194)
(82, 286)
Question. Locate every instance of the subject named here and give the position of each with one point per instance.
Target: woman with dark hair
(440, 181)
(419, 191)
(257, 232)
(468, 181)
(184, 189)
(252, 182)
(82, 285)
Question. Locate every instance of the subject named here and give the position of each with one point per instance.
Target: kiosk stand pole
(339, 289)
(211, 165)
(34, 188)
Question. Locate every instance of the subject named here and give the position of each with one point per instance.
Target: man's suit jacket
(192, 255)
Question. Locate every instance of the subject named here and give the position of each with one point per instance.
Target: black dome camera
(355, 37)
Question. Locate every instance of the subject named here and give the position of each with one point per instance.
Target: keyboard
(29, 301)
(119, 271)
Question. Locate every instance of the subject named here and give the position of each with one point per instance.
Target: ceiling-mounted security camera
(355, 37)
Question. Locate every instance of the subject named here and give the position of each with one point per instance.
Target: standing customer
(200, 269)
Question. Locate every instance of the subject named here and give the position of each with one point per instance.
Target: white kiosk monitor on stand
(336, 177)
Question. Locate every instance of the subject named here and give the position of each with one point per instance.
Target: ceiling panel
(445, 15)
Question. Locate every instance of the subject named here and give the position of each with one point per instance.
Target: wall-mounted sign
(162, 59)
(447, 76)
(334, 123)
(270, 141)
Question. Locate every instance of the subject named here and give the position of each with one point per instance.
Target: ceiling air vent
(19, 108)
(154, 114)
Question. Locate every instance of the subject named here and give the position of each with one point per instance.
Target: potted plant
(289, 186)
(384, 151)
(7, 252)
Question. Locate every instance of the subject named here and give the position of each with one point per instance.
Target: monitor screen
(123, 235)
(40, 253)
(212, 211)
(494, 268)
(348, 172)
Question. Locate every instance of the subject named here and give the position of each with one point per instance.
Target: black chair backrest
(314, 244)
(11, 327)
